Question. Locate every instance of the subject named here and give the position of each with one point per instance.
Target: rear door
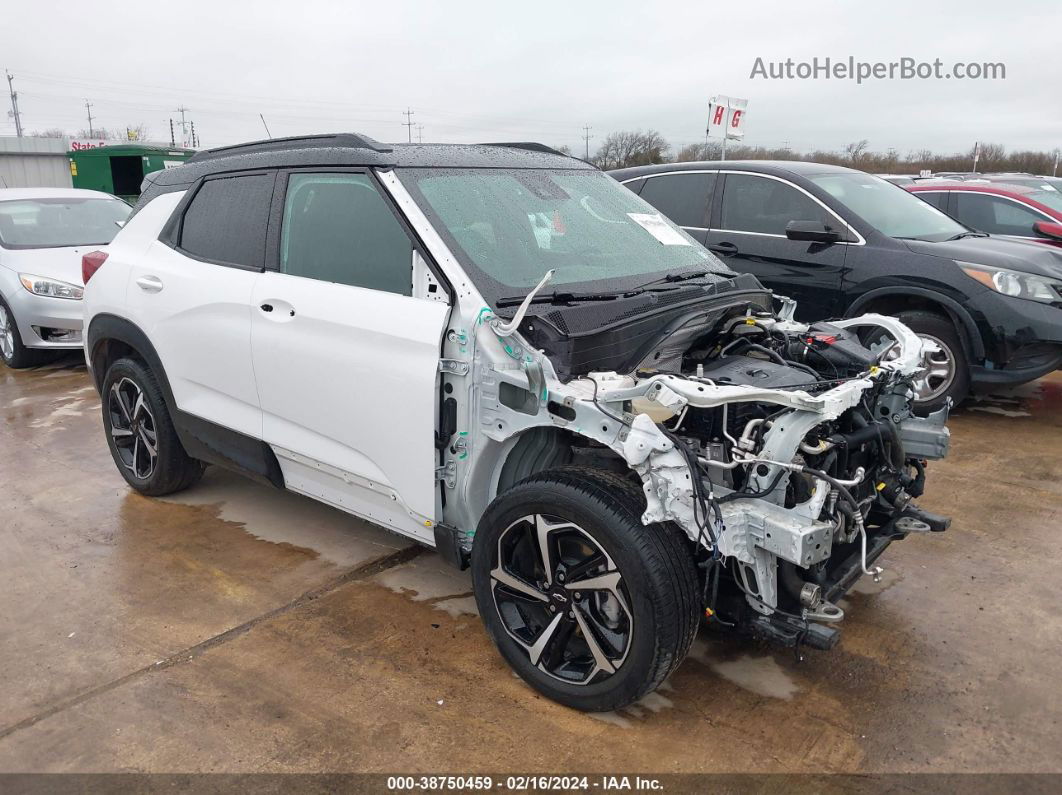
(346, 358)
(191, 294)
(683, 196)
(749, 235)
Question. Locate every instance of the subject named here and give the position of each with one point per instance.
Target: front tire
(140, 433)
(13, 353)
(947, 368)
(589, 606)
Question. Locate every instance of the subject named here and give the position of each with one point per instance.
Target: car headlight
(1015, 283)
(52, 288)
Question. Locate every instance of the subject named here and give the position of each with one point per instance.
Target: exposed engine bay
(787, 452)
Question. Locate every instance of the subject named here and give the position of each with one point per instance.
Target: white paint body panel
(349, 383)
(200, 325)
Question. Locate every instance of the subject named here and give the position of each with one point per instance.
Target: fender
(955, 310)
(200, 438)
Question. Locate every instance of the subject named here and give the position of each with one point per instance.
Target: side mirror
(810, 231)
(1048, 229)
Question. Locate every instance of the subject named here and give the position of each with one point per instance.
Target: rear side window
(683, 198)
(338, 228)
(938, 199)
(226, 220)
(765, 206)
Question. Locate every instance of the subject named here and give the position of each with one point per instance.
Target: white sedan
(43, 234)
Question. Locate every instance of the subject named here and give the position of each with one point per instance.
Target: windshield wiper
(557, 298)
(961, 235)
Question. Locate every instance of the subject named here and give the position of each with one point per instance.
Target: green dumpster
(120, 169)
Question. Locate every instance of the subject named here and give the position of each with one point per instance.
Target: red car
(1030, 212)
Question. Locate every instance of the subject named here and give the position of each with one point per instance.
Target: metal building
(29, 162)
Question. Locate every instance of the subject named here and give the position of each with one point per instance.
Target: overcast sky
(489, 71)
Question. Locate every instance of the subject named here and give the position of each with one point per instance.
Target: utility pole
(268, 134)
(1055, 172)
(420, 133)
(173, 139)
(88, 109)
(586, 138)
(14, 103)
(408, 123)
(184, 125)
(195, 141)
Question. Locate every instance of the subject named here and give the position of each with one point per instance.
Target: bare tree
(51, 132)
(632, 148)
(856, 150)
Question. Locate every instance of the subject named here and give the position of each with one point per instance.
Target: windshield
(51, 223)
(888, 208)
(1050, 198)
(508, 227)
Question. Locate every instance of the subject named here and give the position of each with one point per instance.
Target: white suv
(499, 352)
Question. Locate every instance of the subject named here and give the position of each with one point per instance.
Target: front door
(749, 236)
(346, 360)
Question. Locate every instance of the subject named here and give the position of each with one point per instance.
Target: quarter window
(227, 218)
(338, 228)
(938, 199)
(996, 215)
(758, 204)
(683, 198)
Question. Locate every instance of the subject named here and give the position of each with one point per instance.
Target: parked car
(899, 179)
(478, 347)
(1019, 211)
(43, 234)
(842, 242)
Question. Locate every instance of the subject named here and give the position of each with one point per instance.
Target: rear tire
(140, 433)
(615, 610)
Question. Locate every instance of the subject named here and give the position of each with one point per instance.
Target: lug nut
(560, 576)
(578, 596)
(552, 609)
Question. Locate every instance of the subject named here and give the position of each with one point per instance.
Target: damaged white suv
(498, 351)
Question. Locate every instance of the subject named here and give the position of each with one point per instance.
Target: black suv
(843, 242)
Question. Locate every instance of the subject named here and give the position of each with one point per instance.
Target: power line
(408, 123)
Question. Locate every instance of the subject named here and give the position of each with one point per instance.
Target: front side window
(765, 206)
(889, 208)
(226, 220)
(55, 223)
(338, 228)
(683, 198)
(509, 226)
(996, 215)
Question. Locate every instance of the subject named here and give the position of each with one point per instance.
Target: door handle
(266, 307)
(726, 249)
(149, 284)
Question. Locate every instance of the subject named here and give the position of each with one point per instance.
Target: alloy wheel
(132, 428)
(562, 599)
(938, 368)
(7, 333)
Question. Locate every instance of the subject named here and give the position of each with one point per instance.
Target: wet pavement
(236, 628)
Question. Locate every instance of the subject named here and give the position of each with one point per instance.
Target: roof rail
(348, 140)
(530, 146)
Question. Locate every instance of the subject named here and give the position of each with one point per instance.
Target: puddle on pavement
(429, 579)
(283, 517)
(760, 674)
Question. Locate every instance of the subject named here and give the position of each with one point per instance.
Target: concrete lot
(236, 628)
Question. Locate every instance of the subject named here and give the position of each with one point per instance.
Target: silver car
(43, 234)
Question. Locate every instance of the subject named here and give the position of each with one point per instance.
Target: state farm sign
(80, 144)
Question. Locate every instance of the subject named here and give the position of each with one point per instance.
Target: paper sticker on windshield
(655, 225)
